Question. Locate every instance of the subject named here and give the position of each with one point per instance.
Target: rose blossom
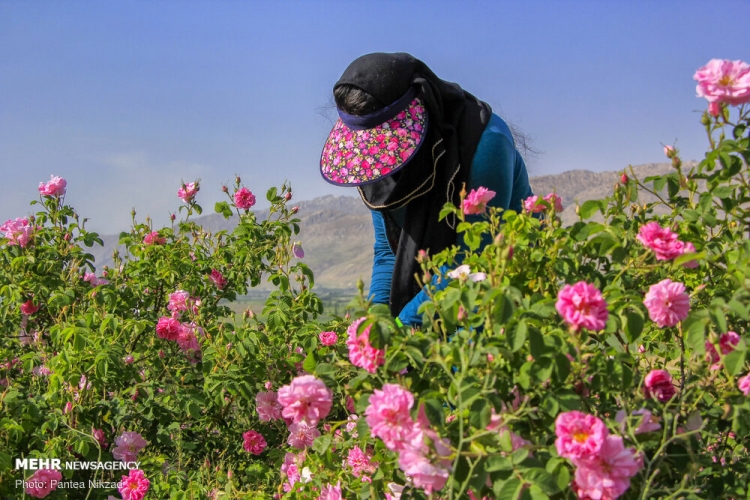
(582, 306)
(28, 308)
(361, 352)
(267, 405)
(153, 238)
(607, 475)
(253, 442)
(579, 435)
(727, 343)
(188, 191)
(658, 383)
(463, 272)
(331, 492)
(43, 482)
(667, 303)
(188, 341)
(360, 462)
(722, 80)
(54, 187)
(476, 201)
(99, 436)
(129, 444)
(306, 398)
(168, 328)
(555, 201)
(388, 415)
(244, 198)
(328, 338)
(134, 485)
(647, 422)
(218, 279)
(93, 280)
(182, 301)
(532, 205)
(744, 384)
(428, 474)
(17, 231)
(302, 435)
(661, 240)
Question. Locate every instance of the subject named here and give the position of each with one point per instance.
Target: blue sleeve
(409, 315)
(383, 262)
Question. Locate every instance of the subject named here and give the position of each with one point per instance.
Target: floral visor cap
(363, 149)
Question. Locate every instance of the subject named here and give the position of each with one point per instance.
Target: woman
(409, 142)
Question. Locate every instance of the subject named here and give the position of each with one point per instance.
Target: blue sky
(126, 98)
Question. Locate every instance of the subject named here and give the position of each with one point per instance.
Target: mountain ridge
(336, 231)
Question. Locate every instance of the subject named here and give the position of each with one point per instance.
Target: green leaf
(222, 207)
(695, 337)
(517, 336)
(633, 326)
(321, 443)
(194, 410)
(511, 490)
(735, 362)
(324, 369)
(541, 478)
(589, 208)
(309, 364)
(481, 411)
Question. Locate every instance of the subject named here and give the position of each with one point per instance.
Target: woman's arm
(383, 262)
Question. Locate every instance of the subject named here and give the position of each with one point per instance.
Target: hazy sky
(126, 98)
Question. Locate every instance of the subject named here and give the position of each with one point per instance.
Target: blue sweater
(496, 165)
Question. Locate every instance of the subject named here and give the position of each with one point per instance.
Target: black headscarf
(456, 121)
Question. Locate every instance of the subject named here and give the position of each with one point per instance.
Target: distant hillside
(336, 231)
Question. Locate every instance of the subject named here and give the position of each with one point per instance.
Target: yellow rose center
(580, 436)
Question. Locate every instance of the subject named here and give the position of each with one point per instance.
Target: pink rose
(43, 482)
(267, 405)
(726, 81)
(129, 444)
(532, 203)
(476, 201)
(168, 328)
(667, 303)
(331, 492)
(306, 398)
(744, 384)
(28, 308)
(607, 475)
(463, 272)
(188, 191)
(153, 238)
(253, 442)
(388, 415)
(360, 462)
(17, 232)
(302, 435)
(658, 384)
(579, 435)
(582, 306)
(218, 279)
(555, 201)
(328, 338)
(188, 341)
(181, 300)
(244, 198)
(99, 436)
(134, 486)
(55, 187)
(361, 352)
(647, 422)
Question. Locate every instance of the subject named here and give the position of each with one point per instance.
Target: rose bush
(600, 360)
